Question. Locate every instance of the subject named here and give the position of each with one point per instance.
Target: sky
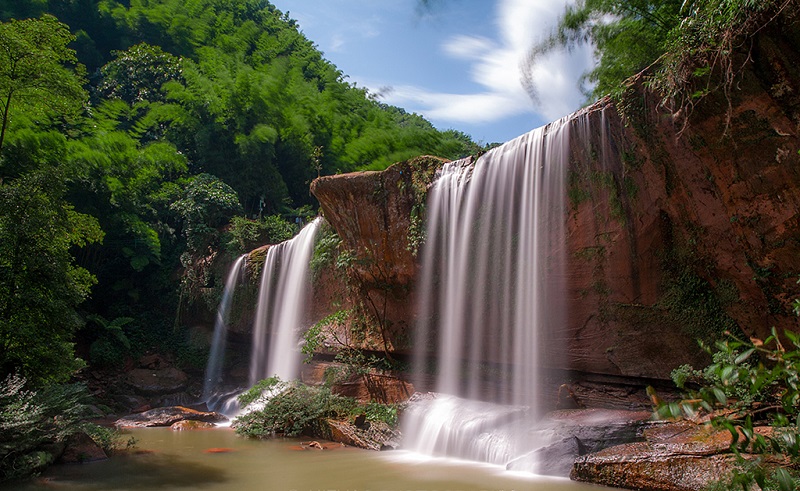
(457, 63)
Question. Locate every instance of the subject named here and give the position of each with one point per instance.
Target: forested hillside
(141, 138)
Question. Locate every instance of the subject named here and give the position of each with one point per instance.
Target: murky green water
(219, 460)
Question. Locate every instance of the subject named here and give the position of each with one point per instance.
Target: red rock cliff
(673, 233)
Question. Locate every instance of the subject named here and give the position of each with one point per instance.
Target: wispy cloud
(495, 66)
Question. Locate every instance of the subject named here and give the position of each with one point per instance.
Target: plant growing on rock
(752, 389)
(294, 408)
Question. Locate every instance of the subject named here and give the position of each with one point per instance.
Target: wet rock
(191, 424)
(681, 456)
(375, 436)
(647, 467)
(153, 362)
(157, 382)
(385, 389)
(578, 432)
(80, 449)
(167, 416)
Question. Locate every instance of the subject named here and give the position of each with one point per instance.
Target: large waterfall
(282, 307)
(492, 283)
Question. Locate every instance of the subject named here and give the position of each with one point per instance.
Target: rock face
(673, 232)
(579, 432)
(675, 457)
(167, 416)
(157, 382)
(81, 449)
(378, 216)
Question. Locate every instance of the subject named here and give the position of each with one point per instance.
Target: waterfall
(282, 308)
(492, 283)
(216, 358)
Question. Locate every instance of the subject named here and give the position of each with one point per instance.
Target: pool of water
(219, 460)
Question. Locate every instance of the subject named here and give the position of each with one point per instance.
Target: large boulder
(367, 435)
(167, 416)
(149, 382)
(577, 432)
(681, 456)
(81, 449)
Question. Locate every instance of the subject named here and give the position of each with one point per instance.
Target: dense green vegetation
(33, 422)
(139, 138)
(293, 408)
(145, 143)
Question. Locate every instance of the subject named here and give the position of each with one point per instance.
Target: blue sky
(457, 64)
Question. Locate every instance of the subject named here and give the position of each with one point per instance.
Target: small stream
(219, 460)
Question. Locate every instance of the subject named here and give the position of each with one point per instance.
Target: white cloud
(468, 47)
(495, 67)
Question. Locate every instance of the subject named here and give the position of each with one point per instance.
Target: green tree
(40, 285)
(33, 55)
(138, 73)
(689, 38)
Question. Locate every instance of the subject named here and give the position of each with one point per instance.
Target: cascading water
(491, 283)
(213, 378)
(282, 307)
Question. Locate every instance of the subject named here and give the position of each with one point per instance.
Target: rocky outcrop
(574, 433)
(367, 435)
(379, 217)
(675, 232)
(81, 449)
(167, 416)
(191, 424)
(675, 457)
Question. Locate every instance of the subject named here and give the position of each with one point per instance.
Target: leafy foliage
(246, 234)
(290, 408)
(33, 55)
(40, 285)
(750, 385)
(111, 344)
(138, 73)
(32, 420)
(689, 39)
(274, 407)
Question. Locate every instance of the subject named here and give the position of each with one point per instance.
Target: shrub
(750, 384)
(293, 408)
(31, 421)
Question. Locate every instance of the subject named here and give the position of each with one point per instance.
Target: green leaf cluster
(32, 421)
(687, 40)
(274, 407)
(749, 386)
(289, 408)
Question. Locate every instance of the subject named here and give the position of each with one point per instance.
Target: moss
(692, 296)
(576, 193)
(417, 175)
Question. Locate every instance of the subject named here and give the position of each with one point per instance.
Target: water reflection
(219, 460)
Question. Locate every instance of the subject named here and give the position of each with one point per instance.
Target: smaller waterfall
(216, 358)
(282, 308)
